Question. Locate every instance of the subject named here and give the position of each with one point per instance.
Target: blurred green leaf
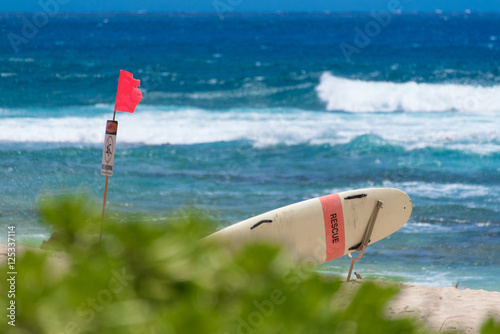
(490, 327)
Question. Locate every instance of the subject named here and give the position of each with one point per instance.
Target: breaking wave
(381, 96)
(158, 125)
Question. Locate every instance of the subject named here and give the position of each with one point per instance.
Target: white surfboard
(323, 228)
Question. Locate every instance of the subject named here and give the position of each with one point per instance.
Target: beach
(447, 309)
(439, 309)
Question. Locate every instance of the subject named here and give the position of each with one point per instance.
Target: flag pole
(128, 97)
(105, 195)
(103, 206)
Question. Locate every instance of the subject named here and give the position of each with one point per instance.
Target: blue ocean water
(244, 113)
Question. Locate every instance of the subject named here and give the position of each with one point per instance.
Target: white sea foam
(154, 125)
(379, 96)
(426, 228)
(162, 125)
(442, 190)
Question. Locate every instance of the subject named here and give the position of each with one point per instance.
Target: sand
(440, 309)
(448, 309)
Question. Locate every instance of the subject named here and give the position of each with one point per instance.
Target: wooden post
(105, 195)
(103, 206)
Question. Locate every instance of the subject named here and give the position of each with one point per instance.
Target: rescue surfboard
(324, 228)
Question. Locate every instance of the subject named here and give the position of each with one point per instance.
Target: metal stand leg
(366, 238)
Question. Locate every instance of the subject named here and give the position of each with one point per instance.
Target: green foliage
(74, 220)
(490, 327)
(162, 278)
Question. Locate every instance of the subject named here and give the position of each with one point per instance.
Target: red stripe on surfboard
(334, 226)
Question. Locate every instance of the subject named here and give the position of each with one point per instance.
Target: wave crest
(382, 96)
(157, 125)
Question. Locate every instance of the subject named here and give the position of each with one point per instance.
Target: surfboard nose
(395, 210)
(398, 209)
(405, 202)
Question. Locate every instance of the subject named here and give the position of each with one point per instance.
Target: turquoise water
(255, 112)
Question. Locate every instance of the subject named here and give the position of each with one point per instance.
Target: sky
(247, 5)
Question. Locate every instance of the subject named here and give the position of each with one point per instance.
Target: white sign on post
(108, 153)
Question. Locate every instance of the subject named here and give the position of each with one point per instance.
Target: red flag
(128, 95)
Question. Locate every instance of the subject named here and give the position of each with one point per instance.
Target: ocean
(244, 113)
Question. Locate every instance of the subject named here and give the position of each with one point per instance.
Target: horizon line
(236, 12)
